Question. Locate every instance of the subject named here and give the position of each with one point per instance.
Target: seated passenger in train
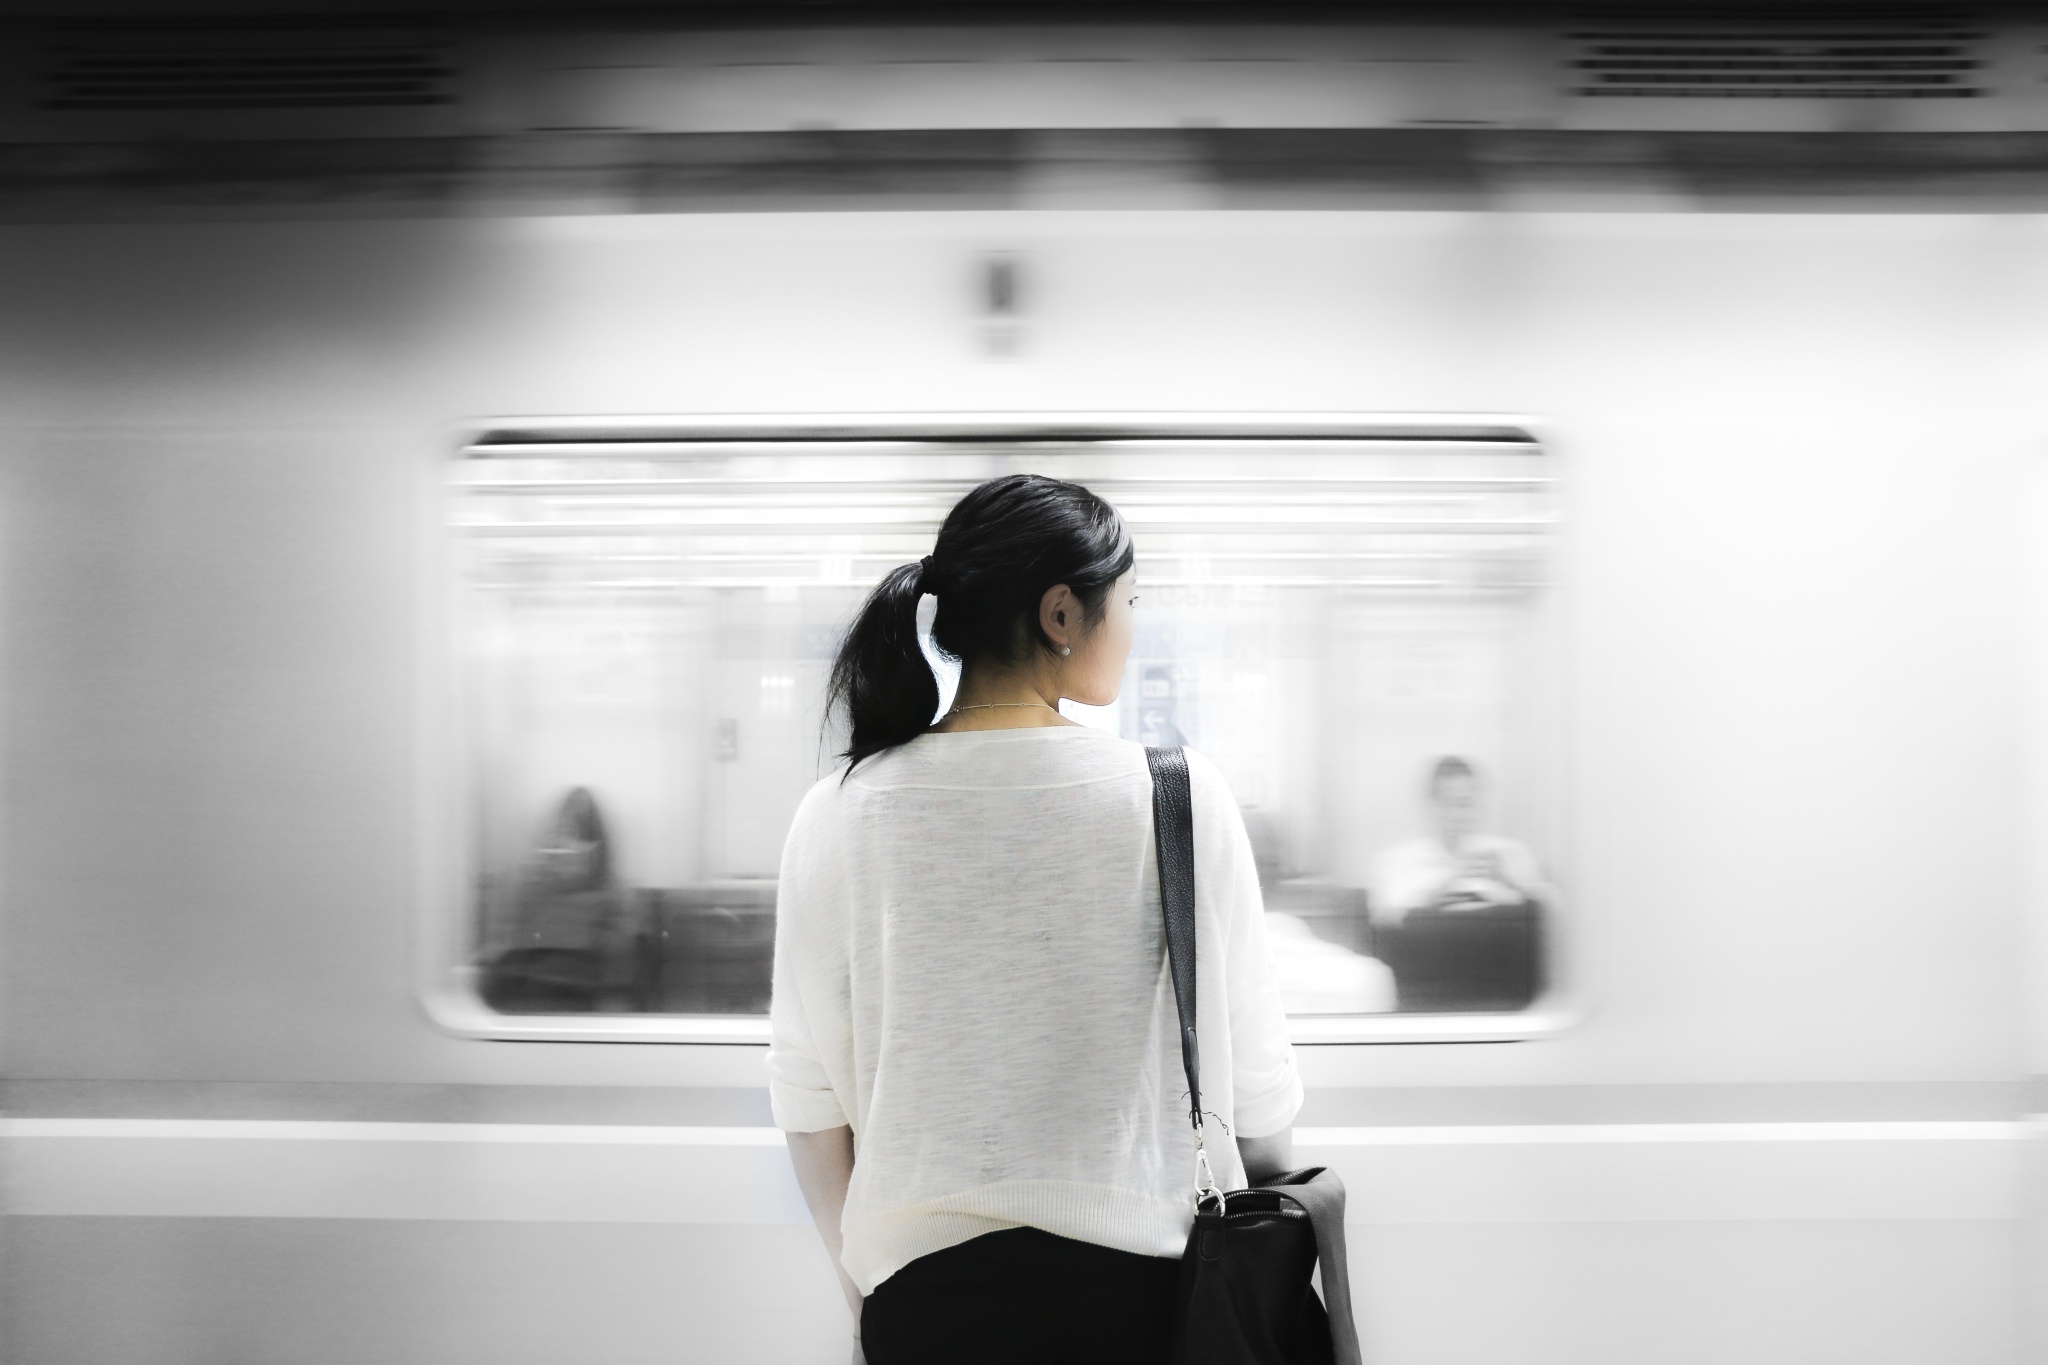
(1454, 867)
(1316, 976)
(565, 949)
(1313, 931)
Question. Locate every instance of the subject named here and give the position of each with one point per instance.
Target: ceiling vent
(242, 64)
(1775, 59)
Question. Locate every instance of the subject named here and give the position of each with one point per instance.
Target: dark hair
(579, 819)
(1447, 769)
(1001, 547)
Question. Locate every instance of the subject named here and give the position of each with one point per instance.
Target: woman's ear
(1058, 614)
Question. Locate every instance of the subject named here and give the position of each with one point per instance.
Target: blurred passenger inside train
(565, 949)
(1454, 867)
(1313, 931)
(970, 898)
(1317, 976)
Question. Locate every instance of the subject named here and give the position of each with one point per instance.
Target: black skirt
(1022, 1295)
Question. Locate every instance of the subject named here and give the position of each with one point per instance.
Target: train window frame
(446, 978)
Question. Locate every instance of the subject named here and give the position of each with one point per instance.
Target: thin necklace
(997, 706)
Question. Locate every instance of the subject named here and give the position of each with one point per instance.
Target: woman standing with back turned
(970, 979)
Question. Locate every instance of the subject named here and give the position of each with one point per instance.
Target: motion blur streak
(285, 1130)
(1490, 1134)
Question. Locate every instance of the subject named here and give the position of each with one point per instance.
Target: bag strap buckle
(1205, 1178)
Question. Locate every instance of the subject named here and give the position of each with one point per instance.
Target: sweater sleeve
(800, 1091)
(1267, 1086)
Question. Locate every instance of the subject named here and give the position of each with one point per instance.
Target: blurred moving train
(436, 457)
(649, 611)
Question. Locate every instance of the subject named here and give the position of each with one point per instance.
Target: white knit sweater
(970, 970)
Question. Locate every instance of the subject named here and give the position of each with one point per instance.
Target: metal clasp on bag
(1205, 1179)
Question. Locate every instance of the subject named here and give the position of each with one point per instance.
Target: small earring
(1066, 649)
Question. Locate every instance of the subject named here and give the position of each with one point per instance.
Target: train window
(1356, 622)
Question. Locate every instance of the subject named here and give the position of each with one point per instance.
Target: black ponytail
(881, 676)
(1001, 547)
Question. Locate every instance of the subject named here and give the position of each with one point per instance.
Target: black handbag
(1244, 1296)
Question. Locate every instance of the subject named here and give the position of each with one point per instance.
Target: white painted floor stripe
(602, 1173)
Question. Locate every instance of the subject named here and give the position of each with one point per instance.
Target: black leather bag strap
(1323, 1201)
(1173, 833)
